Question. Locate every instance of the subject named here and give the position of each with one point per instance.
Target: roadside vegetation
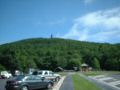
(82, 84)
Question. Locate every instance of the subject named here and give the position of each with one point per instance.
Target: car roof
(44, 70)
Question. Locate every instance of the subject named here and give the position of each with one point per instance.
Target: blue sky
(84, 20)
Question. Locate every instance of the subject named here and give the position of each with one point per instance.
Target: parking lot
(39, 79)
(111, 82)
(2, 84)
(55, 87)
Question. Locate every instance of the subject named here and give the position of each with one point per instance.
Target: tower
(51, 36)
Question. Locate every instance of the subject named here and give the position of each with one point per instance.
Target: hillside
(43, 53)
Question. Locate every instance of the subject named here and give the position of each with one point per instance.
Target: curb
(57, 86)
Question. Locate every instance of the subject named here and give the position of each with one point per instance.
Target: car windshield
(20, 77)
(37, 78)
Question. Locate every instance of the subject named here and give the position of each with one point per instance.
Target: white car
(6, 74)
(47, 75)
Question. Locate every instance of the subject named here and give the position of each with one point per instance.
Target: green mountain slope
(43, 53)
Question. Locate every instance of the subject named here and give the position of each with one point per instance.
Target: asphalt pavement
(67, 83)
(99, 84)
(116, 76)
(102, 85)
(2, 84)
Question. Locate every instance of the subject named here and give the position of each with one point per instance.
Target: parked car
(17, 73)
(47, 75)
(6, 74)
(28, 82)
(2, 77)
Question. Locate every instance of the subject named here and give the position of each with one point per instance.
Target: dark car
(28, 82)
(2, 77)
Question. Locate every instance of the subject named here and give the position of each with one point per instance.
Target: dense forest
(50, 53)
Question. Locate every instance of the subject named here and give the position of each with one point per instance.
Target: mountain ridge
(50, 53)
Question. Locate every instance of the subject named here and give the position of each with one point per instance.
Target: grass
(62, 73)
(94, 73)
(82, 84)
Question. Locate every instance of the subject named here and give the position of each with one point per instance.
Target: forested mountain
(44, 53)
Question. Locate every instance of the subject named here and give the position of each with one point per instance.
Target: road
(2, 84)
(67, 83)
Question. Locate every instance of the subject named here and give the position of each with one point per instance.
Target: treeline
(46, 53)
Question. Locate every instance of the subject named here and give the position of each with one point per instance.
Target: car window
(29, 78)
(37, 78)
(46, 73)
(33, 78)
(35, 73)
(51, 73)
(40, 72)
(19, 77)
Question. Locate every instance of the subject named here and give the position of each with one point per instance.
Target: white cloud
(100, 26)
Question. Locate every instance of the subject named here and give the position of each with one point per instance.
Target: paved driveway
(67, 83)
(2, 84)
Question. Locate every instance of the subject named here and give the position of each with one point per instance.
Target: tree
(73, 63)
(112, 64)
(2, 67)
(96, 64)
(44, 53)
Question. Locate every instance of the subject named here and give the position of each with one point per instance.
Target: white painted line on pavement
(99, 76)
(106, 78)
(102, 81)
(115, 83)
